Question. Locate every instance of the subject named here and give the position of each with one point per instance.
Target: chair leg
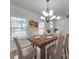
(33, 45)
(68, 50)
(35, 57)
(65, 53)
(47, 56)
(61, 57)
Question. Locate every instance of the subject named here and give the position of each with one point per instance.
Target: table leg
(43, 56)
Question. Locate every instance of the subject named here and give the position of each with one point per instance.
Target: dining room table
(42, 41)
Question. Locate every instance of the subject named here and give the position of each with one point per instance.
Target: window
(41, 27)
(18, 26)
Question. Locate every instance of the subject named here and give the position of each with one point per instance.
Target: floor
(38, 55)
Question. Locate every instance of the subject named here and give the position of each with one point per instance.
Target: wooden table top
(44, 40)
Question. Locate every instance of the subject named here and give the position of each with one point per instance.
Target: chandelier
(48, 15)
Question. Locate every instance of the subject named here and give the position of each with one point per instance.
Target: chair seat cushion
(29, 52)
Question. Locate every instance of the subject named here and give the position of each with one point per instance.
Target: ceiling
(60, 7)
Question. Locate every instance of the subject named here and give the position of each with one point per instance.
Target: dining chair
(55, 42)
(55, 50)
(26, 52)
(66, 45)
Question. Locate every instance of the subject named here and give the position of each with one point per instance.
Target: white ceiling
(60, 7)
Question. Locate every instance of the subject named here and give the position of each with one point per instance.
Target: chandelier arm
(47, 6)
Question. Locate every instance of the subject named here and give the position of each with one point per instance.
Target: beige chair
(66, 45)
(55, 50)
(26, 52)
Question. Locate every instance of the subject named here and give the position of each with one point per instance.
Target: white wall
(62, 25)
(23, 13)
(20, 12)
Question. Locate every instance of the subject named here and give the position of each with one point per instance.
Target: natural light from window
(41, 27)
(18, 26)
